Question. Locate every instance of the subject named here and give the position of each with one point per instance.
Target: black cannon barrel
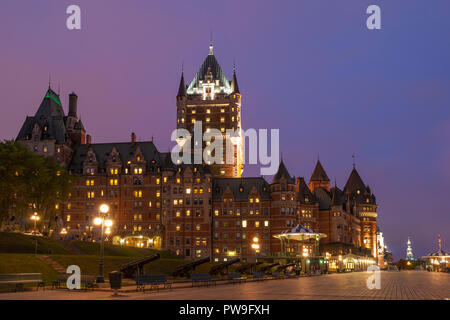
(270, 266)
(186, 269)
(130, 269)
(284, 266)
(218, 268)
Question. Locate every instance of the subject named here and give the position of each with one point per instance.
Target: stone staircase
(52, 263)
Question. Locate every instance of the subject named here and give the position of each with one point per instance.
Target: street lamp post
(256, 246)
(103, 221)
(35, 218)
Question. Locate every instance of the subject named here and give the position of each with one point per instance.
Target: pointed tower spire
(210, 44)
(182, 87)
(319, 178)
(234, 83)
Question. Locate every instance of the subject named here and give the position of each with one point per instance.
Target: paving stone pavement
(404, 285)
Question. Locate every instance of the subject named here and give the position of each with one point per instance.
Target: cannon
(215, 270)
(136, 267)
(268, 267)
(285, 266)
(249, 266)
(184, 270)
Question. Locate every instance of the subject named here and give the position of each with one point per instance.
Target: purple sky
(310, 68)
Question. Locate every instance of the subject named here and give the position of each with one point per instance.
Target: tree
(30, 182)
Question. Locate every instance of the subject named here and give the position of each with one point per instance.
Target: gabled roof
(240, 187)
(319, 173)
(323, 197)
(51, 114)
(304, 192)
(282, 172)
(337, 196)
(125, 149)
(354, 183)
(210, 65)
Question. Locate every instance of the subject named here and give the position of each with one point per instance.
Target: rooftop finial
(49, 80)
(234, 65)
(353, 156)
(210, 43)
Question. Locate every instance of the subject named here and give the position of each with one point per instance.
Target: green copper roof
(52, 95)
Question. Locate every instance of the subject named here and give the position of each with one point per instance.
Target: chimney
(133, 138)
(73, 99)
(88, 140)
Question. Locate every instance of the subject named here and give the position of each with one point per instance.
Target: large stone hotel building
(197, 210)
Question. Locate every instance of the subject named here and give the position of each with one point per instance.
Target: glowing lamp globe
(98, 221)
(104, 208)
(108, 223)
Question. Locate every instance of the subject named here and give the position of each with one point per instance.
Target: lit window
(157, 181)
(266, 223)
(222, 119)
(188, 213)
(244, 223)
(257, 224)
(178, 227)
(188, 191)
(68, 218)
(197, 227)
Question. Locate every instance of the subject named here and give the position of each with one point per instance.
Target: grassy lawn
(25, 263)
(93, 248)
(19, 243)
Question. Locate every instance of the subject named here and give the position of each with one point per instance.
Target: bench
(202, 278)
(20, 279)
(258, 275)
(154, 280)
(236, 277)
(88, 280)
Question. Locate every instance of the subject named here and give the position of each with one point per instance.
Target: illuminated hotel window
(188, 190)
(208, 110)
(158, 194)
(244, 223)
(165, 179)
(138, 194)
(216, 212)
(193, 111)
(257, 200)
(182, 120)
(222, 110)
(175, 202)
(68, 218)
(257, 224)
(197, 227)
(90, 194)
(178, 214)
(208, 120)
(157, 181)
(266, 223)
(158, 217)
(178, 227)
(201, 190)
(193, 120)
(222, 119)
(188, 213)
(222, 129)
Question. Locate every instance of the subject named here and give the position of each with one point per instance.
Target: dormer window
(358, 191)
(306, 199)
(138, 159)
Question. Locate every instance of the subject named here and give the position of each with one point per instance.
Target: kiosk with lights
(310, 259)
